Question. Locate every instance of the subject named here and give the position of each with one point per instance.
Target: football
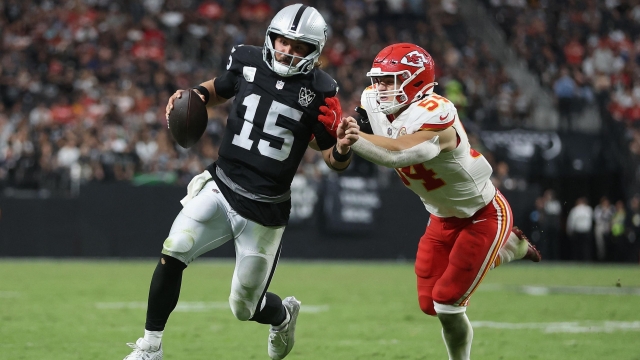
(188, 119)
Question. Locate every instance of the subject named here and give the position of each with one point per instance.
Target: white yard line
(564, 327)
(9, 294)
(541, 290)
(195, 306)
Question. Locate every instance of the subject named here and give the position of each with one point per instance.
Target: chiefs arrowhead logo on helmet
(413, 71)
(414, 58)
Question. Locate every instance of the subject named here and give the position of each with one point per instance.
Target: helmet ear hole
(418, 83)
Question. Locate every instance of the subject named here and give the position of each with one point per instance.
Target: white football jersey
(455, 183)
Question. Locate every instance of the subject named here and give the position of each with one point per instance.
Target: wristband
(203, 90)
(341, 157)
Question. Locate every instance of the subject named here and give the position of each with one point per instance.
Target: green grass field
(64, 310)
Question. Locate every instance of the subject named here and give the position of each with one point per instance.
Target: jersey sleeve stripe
(504, 228)
(474, 154)
(437, 126)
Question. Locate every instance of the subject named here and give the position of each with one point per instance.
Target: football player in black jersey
(245, 195)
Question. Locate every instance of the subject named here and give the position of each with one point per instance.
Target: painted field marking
(541, 290)
(9, 294)
(195, 306)
(564, 327)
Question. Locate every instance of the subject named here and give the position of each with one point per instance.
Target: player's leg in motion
(432, 261)
(475, 247)
(202, 225)
(516, 247)
(257, 253)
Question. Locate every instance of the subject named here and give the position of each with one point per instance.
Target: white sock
(457, 334)
(153, 337)
(513, 249)
(285, 322)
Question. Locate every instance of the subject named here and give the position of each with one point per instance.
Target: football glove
(331, 115)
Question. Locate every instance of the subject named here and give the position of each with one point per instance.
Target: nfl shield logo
(279, 84)
(306, 97)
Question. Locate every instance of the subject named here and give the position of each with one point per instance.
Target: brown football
(188, 119)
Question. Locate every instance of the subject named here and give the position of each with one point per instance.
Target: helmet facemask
(395, 98)
(413, 71)
(304, 66)
(300, 23)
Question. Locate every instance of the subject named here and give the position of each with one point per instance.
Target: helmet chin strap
(389, 107)
(281, 69)
(291, 69)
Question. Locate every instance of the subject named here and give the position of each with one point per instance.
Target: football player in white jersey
(419, 134)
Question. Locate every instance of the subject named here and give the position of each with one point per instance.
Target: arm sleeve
(323, 83)
(323, 138)
(363, 120)
(420, 153)
(225, 85)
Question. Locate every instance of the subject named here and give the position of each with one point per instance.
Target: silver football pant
(208, 221)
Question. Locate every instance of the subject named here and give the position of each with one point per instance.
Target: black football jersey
(270, 124)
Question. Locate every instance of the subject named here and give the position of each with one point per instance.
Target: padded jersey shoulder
(245, 55)
(324, 83)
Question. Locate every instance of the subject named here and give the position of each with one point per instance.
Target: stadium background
(548, 91)
(90, 180)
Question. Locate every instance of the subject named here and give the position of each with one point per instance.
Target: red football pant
(455, 254)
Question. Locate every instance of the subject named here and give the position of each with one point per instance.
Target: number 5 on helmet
(331, 115)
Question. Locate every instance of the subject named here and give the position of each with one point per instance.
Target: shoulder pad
(324, 83)
(433, 113)
(245, 55)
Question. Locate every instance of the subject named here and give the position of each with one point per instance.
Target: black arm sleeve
(363, 120)
(226, 84)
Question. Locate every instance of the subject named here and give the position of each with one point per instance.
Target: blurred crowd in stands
(587, 52)
(84, 83)
(604, 233)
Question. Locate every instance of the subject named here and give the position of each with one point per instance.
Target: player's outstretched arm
(406, 150)
(338, 157)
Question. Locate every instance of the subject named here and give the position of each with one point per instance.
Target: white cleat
(142, 350)
(281, 341)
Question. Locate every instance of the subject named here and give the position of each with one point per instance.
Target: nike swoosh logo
(445, 116)
(477, 221)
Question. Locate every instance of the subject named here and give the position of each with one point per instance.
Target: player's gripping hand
(348, 132)
(331, 115)
(177, 95)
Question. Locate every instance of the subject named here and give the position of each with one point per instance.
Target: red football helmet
(413, 71)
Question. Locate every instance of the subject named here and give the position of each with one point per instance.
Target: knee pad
(242, 309)
(252, 272)
(426, 305)
(445, 295)
(179, 242)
